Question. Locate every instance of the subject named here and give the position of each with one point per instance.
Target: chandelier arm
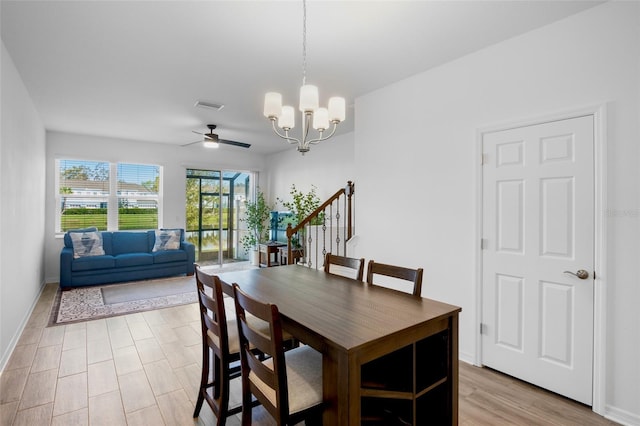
(286, 134)
(320, 139)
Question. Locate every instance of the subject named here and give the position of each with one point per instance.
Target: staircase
(327, 230)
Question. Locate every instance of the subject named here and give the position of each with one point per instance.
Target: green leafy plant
(301, 206)
(256, 216)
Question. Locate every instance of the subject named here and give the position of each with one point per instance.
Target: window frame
(112, 198)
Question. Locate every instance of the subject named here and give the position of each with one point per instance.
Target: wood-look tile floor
(144, 369)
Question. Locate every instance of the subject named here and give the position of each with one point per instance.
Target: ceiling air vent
(210, 105)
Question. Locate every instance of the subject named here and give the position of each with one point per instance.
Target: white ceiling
(134, 70)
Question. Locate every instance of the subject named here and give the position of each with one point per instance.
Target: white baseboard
(14, 340)
(51, 280)
(621, 416)
(466, 357)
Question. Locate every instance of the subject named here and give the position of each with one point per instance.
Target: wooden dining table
(388, 356)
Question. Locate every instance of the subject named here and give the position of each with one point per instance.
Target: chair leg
(247, 404)
(196, 412)
(203, 380)
(313, 417)
(222, 392)
(217, 377)
(313, 421)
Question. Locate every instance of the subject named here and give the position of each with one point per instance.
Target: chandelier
(321, 119)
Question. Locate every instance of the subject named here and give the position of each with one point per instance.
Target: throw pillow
(167, 239)
(88, 243)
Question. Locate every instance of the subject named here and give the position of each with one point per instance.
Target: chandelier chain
(304, 42)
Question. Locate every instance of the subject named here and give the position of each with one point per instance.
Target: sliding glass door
(214, 199)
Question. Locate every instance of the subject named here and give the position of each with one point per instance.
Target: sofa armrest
(66, 258)
(191, 256)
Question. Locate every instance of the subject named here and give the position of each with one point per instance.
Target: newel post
(289, 235)
(349, 190)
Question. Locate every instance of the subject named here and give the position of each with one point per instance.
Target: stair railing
(326, 230)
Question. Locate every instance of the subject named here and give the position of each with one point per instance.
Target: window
(106, 195)
(138, 189)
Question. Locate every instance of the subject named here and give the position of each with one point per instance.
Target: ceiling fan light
(211, 144)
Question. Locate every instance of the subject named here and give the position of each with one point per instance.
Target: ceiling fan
(211, 140)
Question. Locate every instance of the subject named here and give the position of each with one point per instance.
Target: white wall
(328, 166)
(426, 163)
(22, 160)
(174, 160)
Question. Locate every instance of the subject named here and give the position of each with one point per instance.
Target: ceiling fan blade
(212, 137)
(192, 143)
(206, 135)
(234, 143)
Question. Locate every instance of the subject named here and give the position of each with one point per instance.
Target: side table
(269, 253)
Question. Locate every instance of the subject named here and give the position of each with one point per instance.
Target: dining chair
(399, 272)
(220, 348)
(287, 384)
(344, 262)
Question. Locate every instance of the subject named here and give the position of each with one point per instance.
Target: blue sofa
(128, 256)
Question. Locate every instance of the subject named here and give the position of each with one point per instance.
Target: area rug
(95, 302)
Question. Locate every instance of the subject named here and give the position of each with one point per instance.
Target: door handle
(581, 273)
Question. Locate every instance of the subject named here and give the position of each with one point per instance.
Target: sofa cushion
(133, 259)
(129, 242)
(67, 237)
(92, 262)
(167, 239)
(165, 256)
(86, 243)
(106, 242)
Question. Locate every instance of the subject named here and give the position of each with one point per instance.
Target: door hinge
(483, 159)
(484, 244)
(483, 328)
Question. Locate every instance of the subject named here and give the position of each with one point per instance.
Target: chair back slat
(412, 275)
(345, 262)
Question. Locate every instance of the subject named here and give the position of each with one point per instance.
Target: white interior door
(538, 222)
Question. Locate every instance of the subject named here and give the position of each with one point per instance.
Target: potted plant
(256, 216)
(301, 206)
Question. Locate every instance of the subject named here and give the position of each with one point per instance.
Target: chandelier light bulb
(309, 98)
(287, 119)
(337, 109)
(272, 104)
(321, 119)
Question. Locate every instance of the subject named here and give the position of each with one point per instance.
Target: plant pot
(255, 258)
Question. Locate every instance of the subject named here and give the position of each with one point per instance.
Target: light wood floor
(143, 369)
